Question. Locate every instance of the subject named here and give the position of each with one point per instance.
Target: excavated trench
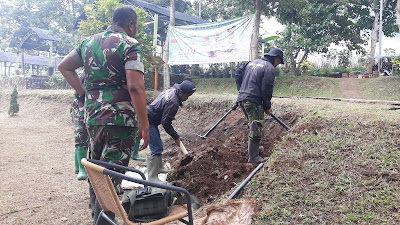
(220, 160)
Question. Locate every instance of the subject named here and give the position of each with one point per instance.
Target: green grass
(339, 165)
(306, 86)
(284, 86)
(382, 88)
(216, 85)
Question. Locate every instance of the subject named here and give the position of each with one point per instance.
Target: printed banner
(219, 42)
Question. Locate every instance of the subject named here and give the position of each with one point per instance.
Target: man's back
(105, 56)
(256, 84)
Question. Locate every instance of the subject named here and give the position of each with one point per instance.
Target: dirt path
(36, 165)
(36, 157)
(350, 87)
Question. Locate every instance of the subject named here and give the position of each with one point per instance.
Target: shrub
(14, 106)
(56, 81)
(305, 67)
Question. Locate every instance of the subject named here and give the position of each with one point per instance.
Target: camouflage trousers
(112, 144)
(81, 136)
(255, 115)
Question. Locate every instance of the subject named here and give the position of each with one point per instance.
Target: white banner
(219, 42)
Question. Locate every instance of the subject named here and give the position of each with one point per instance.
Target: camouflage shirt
(105, 58)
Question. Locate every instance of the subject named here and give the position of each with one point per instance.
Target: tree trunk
(374, 35)
(166, 46)
(398, 13)
(374, 39)
(256, 28)
(292, 63)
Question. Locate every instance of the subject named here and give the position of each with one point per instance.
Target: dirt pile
(220, 161)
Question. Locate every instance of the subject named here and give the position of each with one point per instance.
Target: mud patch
(220, 160)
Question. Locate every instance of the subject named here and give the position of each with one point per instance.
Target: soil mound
(220, 160)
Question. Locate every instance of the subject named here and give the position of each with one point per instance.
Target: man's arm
(169, 112)
(135, 84)
(67, 68)
(267, 87)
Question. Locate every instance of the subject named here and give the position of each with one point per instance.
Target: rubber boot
(163, 168)
(135, 154)
(254, 151)
(76, 164)
(81, 153)
(153, 167)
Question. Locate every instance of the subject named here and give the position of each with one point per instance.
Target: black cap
(276, 52)
(186, 87)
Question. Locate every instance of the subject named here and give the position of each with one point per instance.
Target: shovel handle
(182, 147)
(280, 122)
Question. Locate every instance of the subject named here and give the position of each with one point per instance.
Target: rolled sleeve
(74, 55)
(134, 65)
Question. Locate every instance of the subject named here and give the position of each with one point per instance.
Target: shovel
(188, 158)
(219, 121)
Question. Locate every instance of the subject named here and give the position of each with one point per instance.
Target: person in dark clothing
(255, 83)
(162, 111)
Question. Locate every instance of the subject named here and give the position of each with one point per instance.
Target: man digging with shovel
(162, 111)
(255, 83)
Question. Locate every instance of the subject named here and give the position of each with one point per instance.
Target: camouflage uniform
(110, 116)
(255, 115)
(81, 137)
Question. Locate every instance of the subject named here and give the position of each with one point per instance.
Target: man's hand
(178, 141)
(269, 111)
(144, 134)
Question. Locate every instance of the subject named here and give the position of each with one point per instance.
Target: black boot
(254, 151)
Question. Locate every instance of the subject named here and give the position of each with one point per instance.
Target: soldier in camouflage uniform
(81, 136)
(255, 83)
(114, 92)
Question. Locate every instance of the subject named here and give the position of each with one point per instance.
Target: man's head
(186, 89)
(277, 55)
(126, 18)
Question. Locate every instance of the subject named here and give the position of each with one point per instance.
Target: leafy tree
(99, 17)
(14, 106)
(55, 15)
(313, 25)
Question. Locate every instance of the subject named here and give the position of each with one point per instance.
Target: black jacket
(255, 82)
(163, 110)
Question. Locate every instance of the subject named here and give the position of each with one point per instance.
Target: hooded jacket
(255, 81)
(163, 110)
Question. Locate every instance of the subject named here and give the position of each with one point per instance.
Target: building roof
(184, 18)
(28, 59)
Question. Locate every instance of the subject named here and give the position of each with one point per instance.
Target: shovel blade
(186, 160)
(202, 136)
